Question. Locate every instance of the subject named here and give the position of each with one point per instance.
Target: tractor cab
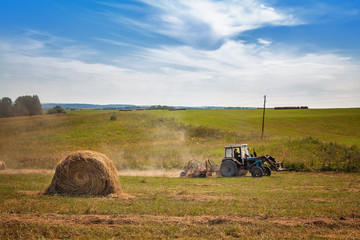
(239, 153)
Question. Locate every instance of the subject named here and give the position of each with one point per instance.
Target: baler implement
(195, 169)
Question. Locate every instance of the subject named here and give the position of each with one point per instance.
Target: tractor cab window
(228, 153)
(245, 151)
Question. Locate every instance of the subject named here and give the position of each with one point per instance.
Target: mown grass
(308, 140)
(284, 205)
(281, 195)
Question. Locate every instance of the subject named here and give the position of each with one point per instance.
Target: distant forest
(23, 106)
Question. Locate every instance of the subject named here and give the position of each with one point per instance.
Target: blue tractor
(238, 162)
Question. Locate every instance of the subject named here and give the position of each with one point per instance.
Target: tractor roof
(236, 146)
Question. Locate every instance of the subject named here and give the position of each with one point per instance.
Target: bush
(56, 110)
(309, 154)
(113, 117)
(203, 132)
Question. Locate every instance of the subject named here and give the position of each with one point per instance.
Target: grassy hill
(310, 140)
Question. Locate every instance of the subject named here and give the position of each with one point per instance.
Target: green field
(307, 140)
(282, 206)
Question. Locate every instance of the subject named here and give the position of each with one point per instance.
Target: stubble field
(284, 205)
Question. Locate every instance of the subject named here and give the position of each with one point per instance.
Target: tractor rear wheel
(267, 171)
(256, 172)
(228, 168)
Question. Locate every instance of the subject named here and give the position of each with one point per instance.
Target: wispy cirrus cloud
(114, 42)
(205, 23)
(38, 43)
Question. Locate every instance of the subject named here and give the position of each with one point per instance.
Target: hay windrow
(2, 165)
(85, 173)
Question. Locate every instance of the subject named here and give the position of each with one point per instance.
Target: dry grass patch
(2, 165)
(171, 227)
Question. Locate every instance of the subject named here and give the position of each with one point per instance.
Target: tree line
(159, 107)
(23, 106)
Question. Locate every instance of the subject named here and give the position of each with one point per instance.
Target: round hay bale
(2, 165)
(85, 173)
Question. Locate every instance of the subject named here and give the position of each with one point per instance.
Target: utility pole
(263, 122)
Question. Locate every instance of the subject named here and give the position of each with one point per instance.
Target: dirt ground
(150, 173)
(27, 171)
(140, 173)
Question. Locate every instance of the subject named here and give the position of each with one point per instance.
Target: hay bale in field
(85, 173)
(2, 165)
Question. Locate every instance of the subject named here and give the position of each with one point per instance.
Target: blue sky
(190, 52)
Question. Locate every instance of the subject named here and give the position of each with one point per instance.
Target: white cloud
(247, 68)
(207, 23)
(264, 41)
(236, 74)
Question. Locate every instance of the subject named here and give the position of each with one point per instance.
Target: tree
(19, 109)
(55, 110)
(27, 105)
(5, 107)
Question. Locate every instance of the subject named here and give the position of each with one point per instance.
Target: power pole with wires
(263, 122)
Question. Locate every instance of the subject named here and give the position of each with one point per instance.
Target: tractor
(238, 162)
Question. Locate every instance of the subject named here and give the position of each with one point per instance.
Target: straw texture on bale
(85, 173)
(2, 165)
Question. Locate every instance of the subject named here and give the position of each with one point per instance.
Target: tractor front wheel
(267, 171)
(256, 172)
(228, 168)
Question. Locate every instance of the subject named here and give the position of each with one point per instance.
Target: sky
(182, 53)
